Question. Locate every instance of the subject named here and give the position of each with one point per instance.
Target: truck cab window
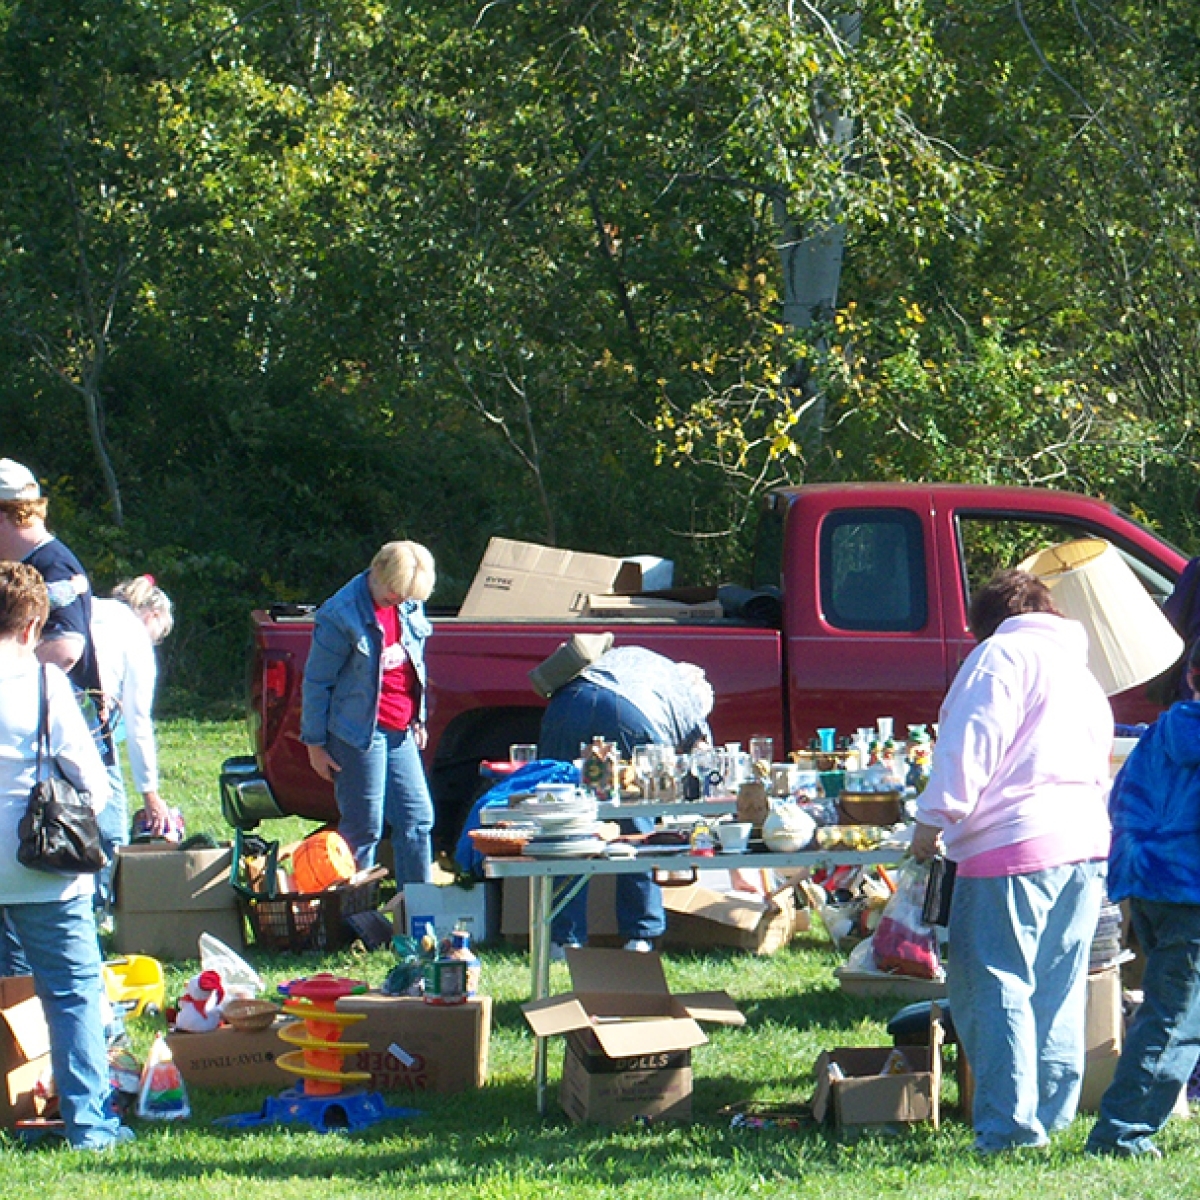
(767, 569)
(873, 570)
(992, 542)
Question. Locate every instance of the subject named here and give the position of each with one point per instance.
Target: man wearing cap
(67, 636)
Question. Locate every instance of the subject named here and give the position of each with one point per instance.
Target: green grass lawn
(492, 1144)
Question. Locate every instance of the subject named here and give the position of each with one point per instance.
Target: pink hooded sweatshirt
(1021, 769)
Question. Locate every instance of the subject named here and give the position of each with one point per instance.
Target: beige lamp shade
(1129, 639)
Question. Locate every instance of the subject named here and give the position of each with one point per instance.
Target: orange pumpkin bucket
(322, 860)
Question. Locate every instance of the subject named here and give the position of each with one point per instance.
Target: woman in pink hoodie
(1017, 798)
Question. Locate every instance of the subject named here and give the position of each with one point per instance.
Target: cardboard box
(615, 1091)
(475, 909)
(634, 1026)
(851, 1091)
(167, 897)
(700, 917)
(228, 1058)
(444, 1048)
(651, 607)
(522, 579)
(880, 983)
(24, 1049)
(601, 909)
(1104, 1035)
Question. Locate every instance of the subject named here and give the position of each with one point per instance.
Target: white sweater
(1024, 739)
(75, 753)
(129, 672)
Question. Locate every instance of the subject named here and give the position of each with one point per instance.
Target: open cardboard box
(626, 1033)
(699, 916)
(852, 1092)
(24, 1049)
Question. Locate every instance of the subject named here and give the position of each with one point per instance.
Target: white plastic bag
(162, 1095)
(241, 980)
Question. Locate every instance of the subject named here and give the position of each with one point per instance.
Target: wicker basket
(498, 842)
(316, 921)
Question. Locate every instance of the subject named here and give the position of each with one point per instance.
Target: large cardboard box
(523, 579)
(414, 1046)
(634, 1025)
(700, 917)
(167, 897)
(475, 909)
(601, 909)
(1104, 1035)
(24, 1049)
(615, 1091)
(229, 1058)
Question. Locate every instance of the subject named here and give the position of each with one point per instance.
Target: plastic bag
(162, 1095)
(903, 942)
(241, 980)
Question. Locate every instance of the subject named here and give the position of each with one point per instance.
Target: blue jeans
(385, 782)
(59, 939)
(1017, 983)
(1163, 1042)
(577, 713)
(113, 820)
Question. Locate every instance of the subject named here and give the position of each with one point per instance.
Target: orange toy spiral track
(318, 1034)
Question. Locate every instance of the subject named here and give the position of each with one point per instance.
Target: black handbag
(939, 891)
(59, 832)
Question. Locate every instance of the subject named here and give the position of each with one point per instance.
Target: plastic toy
(200, 1004)
(135, 985)
(320, 1100)
(321, 860)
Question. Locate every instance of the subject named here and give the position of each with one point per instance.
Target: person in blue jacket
(1154, 863)
(363, 715)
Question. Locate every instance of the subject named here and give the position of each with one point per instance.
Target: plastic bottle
(460, 949)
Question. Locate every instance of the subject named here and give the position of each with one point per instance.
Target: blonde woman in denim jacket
(363, 718)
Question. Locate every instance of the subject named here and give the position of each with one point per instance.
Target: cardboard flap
(820, 1100)
(629, 1039)
(716, 1008)
(608, 971)
(554, 1015)
(741, 911)
(27, 1023)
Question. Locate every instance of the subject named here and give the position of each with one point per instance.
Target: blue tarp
(524, 779)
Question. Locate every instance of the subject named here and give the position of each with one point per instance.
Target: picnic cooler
(298, 921)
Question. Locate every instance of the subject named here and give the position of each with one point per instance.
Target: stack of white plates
(567, 827)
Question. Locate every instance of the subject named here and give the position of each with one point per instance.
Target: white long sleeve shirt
(129, 672)
(1024, 739)
(77, 759)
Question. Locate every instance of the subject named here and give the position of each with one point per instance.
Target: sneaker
(558, 950)
(640, 945)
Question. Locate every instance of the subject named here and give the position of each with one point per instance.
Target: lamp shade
(1129, 639)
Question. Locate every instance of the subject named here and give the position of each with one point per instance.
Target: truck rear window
(873, 570)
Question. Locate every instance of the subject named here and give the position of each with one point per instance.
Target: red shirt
(400, 688)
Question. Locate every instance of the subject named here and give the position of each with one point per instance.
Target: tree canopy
(280, 281)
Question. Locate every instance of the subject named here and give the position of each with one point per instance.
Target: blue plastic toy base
(347, 1112)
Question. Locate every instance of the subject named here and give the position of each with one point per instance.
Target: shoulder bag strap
(43, 734)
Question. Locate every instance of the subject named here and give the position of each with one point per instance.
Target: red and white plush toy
(200, 1004)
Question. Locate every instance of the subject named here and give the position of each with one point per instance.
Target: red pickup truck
(860, 612)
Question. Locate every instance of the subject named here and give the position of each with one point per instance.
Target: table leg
(541, 893)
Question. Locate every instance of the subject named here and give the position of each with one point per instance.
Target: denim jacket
(344, 671)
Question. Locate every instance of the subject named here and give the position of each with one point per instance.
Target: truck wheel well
(467, 741)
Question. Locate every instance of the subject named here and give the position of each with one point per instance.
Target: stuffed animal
(200, 1004)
